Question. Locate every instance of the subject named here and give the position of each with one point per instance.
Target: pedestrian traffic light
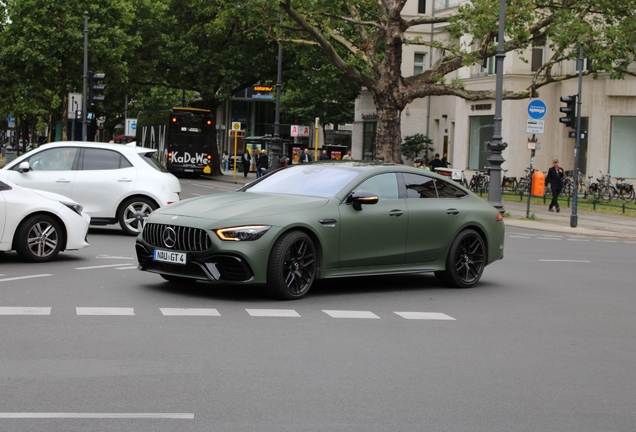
(569, 110)
(95, 88)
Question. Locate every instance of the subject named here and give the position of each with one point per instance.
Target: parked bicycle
(608, 191)
(523, 186)
(508, 184)
(480, 181)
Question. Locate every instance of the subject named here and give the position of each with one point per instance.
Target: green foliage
(414, 145)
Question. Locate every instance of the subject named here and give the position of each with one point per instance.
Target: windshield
(314, 181)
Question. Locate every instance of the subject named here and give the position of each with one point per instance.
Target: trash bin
(538, 184)
(10, 155)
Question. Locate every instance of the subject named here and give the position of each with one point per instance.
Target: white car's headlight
(242, 233)
(77, 208)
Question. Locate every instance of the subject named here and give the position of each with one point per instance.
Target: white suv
(114, 182)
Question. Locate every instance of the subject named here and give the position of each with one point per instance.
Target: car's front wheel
(39, 238)
(133, 213)
(465, 262)
(292, 266)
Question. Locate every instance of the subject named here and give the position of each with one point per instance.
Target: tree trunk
(389, 136)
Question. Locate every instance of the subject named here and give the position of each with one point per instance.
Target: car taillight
(499, 217)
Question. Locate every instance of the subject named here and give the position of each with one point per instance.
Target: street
(545, 341)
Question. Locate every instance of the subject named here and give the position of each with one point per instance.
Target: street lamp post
(85, 92)
(497, 146)
(276, 139)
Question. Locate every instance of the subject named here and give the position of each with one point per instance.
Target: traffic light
(569, 110)
(95, 88)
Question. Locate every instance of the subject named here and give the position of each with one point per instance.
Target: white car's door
(51, 170)
(104, 177)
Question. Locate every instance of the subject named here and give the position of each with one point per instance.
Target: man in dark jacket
(436, 163)
(555, 179)
(246, 161)
(262, 164)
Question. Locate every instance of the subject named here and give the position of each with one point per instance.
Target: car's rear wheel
(292, 266)
(39, 238)
(465, 262)
(133, 213)
(178, 279)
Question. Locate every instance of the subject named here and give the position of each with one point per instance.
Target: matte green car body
(380, 238)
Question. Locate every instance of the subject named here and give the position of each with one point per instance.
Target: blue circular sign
(537, 109)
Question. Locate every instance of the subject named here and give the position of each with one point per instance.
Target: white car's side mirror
(24, 167)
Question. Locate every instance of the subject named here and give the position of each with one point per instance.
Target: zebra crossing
(213, 312)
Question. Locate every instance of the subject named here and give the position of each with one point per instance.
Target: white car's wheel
(39, 238)
(133, 213)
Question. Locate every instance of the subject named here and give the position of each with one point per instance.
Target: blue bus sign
(537, 109)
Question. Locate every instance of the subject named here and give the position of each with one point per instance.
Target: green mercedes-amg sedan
(325, 220)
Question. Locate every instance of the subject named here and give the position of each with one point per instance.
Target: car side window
(55, 159)
(385, 186)
(101, 159)
(446, 189)
(419, 186)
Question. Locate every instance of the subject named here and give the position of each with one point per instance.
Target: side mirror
(362, 197)
(24, 167)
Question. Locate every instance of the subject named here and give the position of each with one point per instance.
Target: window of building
(445, 4)
(368, 144)
(421, 7)
(538, 53)
(622, 147)
(482, 129)
(419, 63)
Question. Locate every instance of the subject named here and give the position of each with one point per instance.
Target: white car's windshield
(307, 180)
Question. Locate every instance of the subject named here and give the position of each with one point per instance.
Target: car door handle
(62, 181)
(396, 213)
(125, 180)
(452, 211)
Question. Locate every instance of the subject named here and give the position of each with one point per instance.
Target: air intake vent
(176, 237)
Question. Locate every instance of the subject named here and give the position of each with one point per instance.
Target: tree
(414, 145)
(374, 32)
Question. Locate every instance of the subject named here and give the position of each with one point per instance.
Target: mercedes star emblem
(169, 237)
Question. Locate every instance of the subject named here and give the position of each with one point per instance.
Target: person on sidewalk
(245, 160)
(225, 161)
(555, 179)
(324, 155)
(305, 157)
(262, 164)
(436, 163)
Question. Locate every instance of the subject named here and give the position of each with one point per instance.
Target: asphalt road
(545, 342)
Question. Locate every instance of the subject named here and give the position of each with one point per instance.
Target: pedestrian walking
(246, 160)
(324, 155)
(445, 162)
(305, 158)
(225, 160)
(555, 179)
(436, 163)
(262, 164)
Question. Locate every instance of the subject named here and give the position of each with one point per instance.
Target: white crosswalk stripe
(425, 316)
(351, 314)
(281, 313)
(189, 312)
(105, 311)
(25, 311)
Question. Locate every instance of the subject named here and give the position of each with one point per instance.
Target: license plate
(169, 257)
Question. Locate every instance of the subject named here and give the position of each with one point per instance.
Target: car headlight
(242, 233)
(77, 208)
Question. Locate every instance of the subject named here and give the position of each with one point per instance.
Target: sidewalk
(588, 223)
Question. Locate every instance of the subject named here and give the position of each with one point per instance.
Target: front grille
(186, 238)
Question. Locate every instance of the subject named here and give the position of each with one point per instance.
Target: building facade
(461, 128)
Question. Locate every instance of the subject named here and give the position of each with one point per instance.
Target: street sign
(11, 121)
(74, 104)
(535, 126)
(131, 127)
(299, 131)
(236, 126)
(537, 109)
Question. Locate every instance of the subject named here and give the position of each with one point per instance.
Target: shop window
(482, 129)
(368, 145)
(622, 147)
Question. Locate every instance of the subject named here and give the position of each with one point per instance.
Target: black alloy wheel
(292, 266)
(39, 238)
(465, 262)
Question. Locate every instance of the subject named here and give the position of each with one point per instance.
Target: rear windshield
(152, 161)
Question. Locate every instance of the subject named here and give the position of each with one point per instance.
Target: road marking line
(102, 266)
(548, 238)
(425, 316)
(285, 313)
(606, 241)
(42, 415)
(630, 242)
(126, 268)
(25, 311)
(581, 240)
(25, 277)
(203, 186)
(515, 236)
(351, 314)
(561, 260)
(104, 311)
(189, 312)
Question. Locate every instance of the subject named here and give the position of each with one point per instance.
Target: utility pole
(496, 146)
(276, 139)
(574, 218)
(85, 92)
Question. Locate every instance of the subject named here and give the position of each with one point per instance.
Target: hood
(241, 204)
